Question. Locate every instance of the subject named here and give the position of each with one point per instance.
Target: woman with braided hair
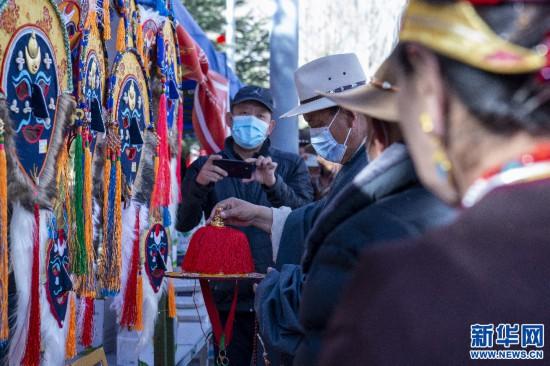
(474, 101)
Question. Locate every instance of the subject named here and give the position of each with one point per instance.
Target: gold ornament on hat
(32, 54)
(458, 32)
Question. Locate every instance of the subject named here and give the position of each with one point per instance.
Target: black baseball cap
(255, 93)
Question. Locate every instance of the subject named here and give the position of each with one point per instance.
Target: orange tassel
(91, 20)
(121, 36)
(154, 211)
(106, 20)
(89, 286)
(171, 299)
(70, 342)
(4, 332)
(102, 259)
(118, 227)
(139, 304)
(140, 42)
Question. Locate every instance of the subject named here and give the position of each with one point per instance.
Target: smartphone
(236, 168)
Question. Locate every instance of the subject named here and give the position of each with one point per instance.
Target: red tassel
(88, 324)
(218, 250)
(129, 316)
(180, 142)
(161, 192)
(32, 351)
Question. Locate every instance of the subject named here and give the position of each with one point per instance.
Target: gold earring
(439, 156)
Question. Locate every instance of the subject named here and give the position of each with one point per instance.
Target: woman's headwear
(455, 30)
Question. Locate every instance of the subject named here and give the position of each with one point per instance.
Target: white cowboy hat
(377, 98)
(330, 74)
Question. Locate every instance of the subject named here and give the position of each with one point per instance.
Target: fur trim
(53, 337)
(175, 187)
(21, 245)
(20, 187)
(145, 179)
(128, 237)
(21, 242)
(150, 311)
(98, 164)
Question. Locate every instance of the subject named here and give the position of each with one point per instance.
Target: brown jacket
(413, 303)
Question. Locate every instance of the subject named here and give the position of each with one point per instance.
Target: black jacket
(413, 302)
(300, 222)
(292, 188)
(385, 201)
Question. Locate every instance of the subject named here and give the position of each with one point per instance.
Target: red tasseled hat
(218, 250)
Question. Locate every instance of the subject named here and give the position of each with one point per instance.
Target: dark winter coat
(413, 302)
(299, 223)
(385, 201)
(292, 188)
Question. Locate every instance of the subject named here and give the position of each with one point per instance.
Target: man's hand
(265, 171)
(210, 173)
(242, 213)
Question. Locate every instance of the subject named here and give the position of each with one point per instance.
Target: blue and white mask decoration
(156, 255)
(58, 282)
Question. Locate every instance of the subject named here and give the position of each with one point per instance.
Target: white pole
(230, 32)
(283, 62)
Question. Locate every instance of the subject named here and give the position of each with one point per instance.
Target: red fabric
(214, 315)
(129, 308)
(215, 250)
(32, 350)
(88, 324)
(221, 39)
(211, 95)
(162, 190)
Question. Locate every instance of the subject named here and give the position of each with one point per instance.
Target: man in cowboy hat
(384, 201)
(336, 135)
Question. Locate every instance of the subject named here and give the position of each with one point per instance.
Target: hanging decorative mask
(92, 85)
(35, 78)
(58, 282)
(34, 74)
(73, 13)
(167, 59)
(156, 255)
(130, 98)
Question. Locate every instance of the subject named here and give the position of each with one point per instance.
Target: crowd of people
(437, 220)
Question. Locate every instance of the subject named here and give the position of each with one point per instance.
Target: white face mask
(326, 145)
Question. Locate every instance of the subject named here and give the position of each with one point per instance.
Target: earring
(439, 156)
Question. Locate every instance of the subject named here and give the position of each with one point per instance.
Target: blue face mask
(249, 132)
(326, 145)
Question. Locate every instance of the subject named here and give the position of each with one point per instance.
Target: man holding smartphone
(274, 179)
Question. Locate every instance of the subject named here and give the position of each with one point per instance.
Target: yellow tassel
(106, 20)
(139, 304)
(121, 36)
(155, 212)
(106, 182)
(4, 332)
(140, 42)
(91, 20)
(118, 226)
(70, 342)
(89, 286)
(171, 299)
